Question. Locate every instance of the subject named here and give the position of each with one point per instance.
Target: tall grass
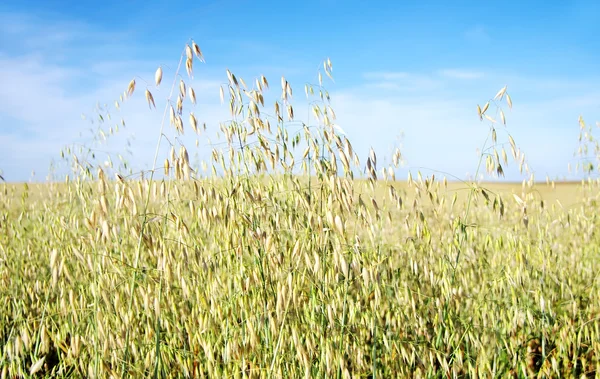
(282, 263)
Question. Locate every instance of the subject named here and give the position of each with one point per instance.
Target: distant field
(244, 277)
(567, 193)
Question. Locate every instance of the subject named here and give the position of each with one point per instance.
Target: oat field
(292, 256)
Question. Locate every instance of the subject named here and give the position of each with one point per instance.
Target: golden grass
(264, 270)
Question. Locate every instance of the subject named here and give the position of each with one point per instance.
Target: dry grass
(281, 264)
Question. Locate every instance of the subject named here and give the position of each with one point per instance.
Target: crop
(280, 259)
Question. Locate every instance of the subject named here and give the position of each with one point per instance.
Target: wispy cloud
(461, 74)
(400, 81)
(42, 99)
(386, 75)
(58, 40)
(443, 132)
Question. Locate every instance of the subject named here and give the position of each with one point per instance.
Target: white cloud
(460, 74)
(400, 81)
(42, 99)
(31, 91)
(443, 132)
(386, 75)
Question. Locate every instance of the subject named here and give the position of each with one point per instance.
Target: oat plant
(285, 254)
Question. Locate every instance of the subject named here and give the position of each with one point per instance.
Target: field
(262, 270)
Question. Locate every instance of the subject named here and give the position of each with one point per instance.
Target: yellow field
(249, 278)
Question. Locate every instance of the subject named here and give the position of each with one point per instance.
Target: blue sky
(417, 68)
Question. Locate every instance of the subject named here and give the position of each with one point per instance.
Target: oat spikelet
(264, 81)
(179, 104)
(485, 107)
(232, 79)
(131, 87)
(172, 154)
(254, 108)
(375, 204)
(339, 225)
(179, 124)
(37, 366)
(158, 76)
(518, 199)
(194, 122)
(192, 95)
(500, 93)
(198, 52)
(172, 115)
(188, 52)
(189, 67)
(182, 88)
(512, 142)
(150, 99)
(184, 154)
(373, 157)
